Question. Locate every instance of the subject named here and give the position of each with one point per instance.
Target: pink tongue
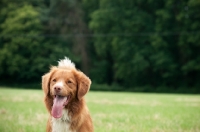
(58, 104)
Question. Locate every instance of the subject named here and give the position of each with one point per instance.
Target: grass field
(24, 111)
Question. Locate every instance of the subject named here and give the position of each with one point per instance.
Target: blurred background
(135, 45)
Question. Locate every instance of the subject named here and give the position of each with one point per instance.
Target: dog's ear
(83, 84)
(46, 81)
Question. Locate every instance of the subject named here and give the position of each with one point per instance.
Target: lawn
(23, 111)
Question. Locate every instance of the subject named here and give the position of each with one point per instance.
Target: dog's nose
(57, 89)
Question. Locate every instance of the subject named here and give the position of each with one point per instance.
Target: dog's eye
(69, 81)
(54, 80)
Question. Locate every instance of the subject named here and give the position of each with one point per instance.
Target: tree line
(140, 45)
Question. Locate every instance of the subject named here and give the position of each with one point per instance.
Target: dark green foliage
(141, 45)
(25, 54)
(148, 42)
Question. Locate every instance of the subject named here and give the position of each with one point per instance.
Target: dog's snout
(58, 87)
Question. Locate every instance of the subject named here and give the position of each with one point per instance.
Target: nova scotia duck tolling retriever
(64, 89)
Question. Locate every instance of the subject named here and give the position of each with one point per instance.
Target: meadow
(24, 111)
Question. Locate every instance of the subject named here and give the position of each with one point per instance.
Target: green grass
(24, 111)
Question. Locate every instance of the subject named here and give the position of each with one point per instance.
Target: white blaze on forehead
(66, 63)
(59, 84)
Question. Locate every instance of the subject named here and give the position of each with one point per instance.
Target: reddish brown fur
(77, 109)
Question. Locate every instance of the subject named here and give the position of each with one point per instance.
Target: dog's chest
(62, 124)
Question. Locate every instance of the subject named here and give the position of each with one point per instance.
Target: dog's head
(63, 85)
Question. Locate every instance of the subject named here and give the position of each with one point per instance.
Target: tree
(65, 18)
(20, 47)
(147, 42)
(122, 45)
(24, 53)
(175, 57)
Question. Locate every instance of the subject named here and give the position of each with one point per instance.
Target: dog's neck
(65, 117)
(62, 124)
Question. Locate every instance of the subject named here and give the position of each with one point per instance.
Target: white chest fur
(62, 124)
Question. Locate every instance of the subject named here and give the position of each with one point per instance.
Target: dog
(64, 88)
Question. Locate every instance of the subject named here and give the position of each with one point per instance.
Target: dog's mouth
(59, 102)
